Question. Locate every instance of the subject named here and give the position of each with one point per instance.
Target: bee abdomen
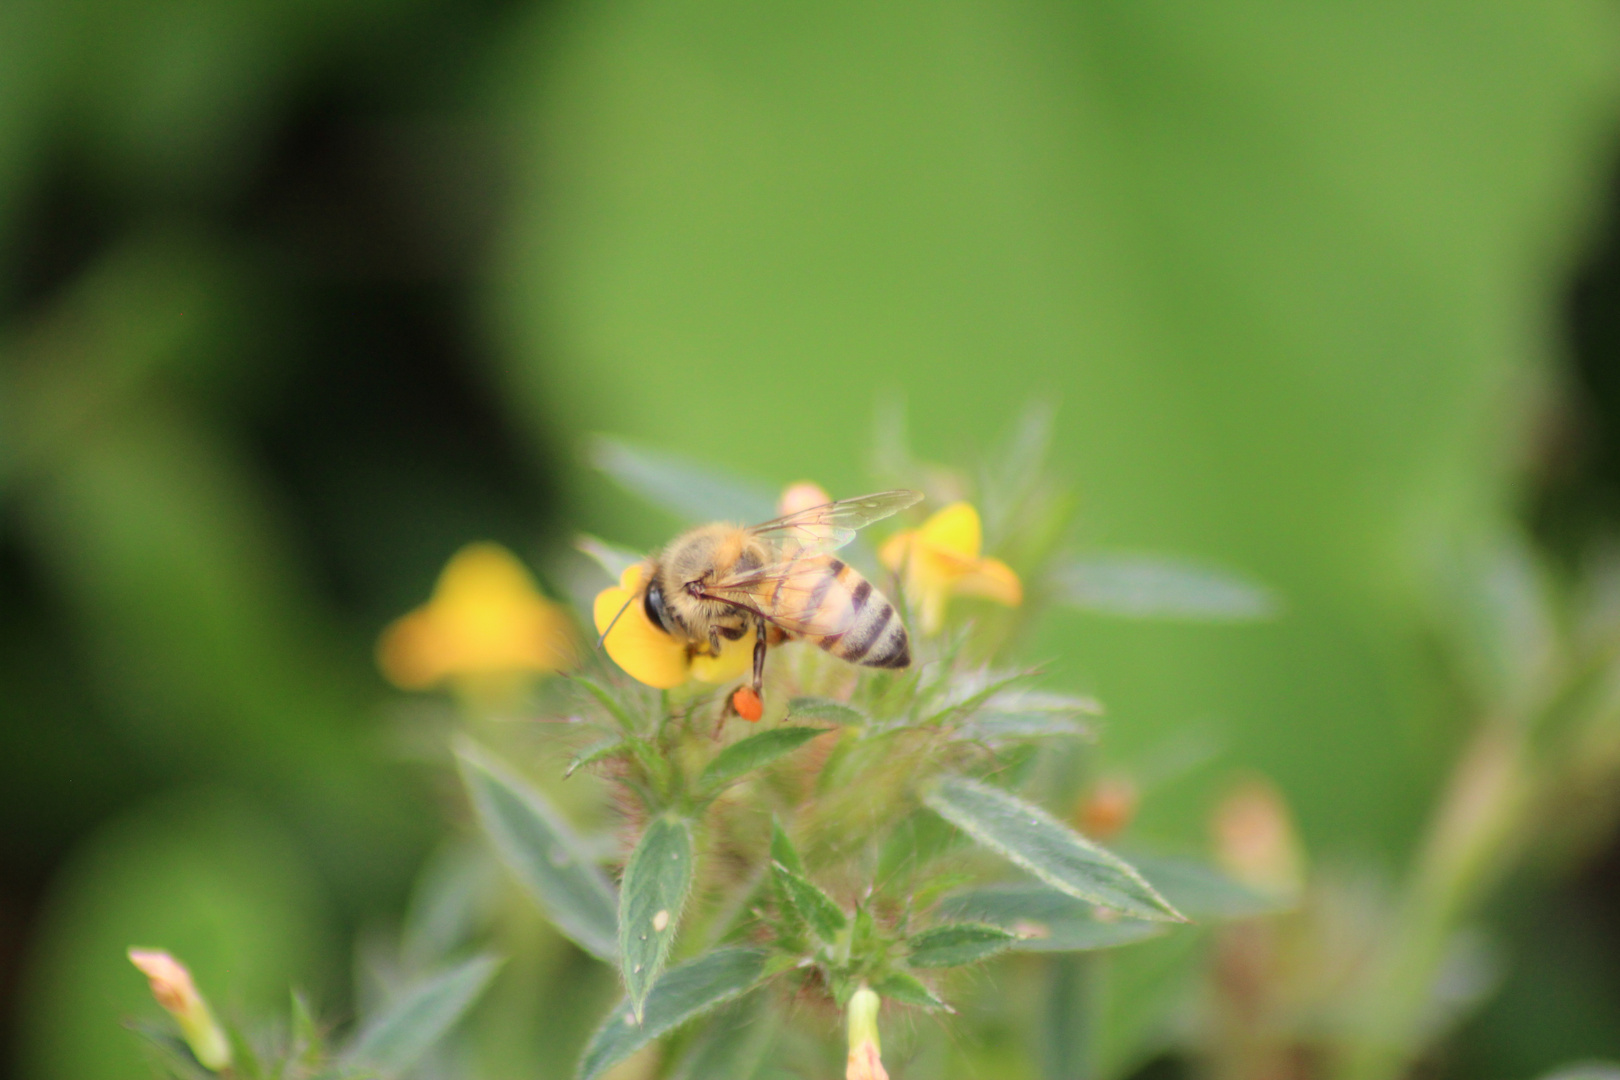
(876, 638)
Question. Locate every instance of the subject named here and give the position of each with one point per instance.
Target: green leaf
(308, 1041)
(656, 882)
(421, 1016)
(1200, 891)
(782, 849)
(597, 752)
(685, 992)
(613, 559)
(605, 698)
(746, 755)
(686, 489)
(1031, 838)
(818, 909)
(816, 708)
(1046, 920)
(540, 848)
(1149, 587)
(956, 944)
(735, 1044)
(907, 990)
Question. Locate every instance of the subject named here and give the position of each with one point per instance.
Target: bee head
(652, 602)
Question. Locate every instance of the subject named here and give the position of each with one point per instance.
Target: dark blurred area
(296, 299)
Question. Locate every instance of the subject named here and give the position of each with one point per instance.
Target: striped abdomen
(869, 630)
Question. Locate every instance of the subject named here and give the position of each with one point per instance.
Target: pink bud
(174, 990)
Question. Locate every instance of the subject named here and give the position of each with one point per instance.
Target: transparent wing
(830, 527)
(801, 595)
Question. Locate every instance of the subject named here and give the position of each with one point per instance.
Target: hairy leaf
(421, 1016)
(907, 990)
(656, 882)
(1046, 920)
(818, 909)
(782, 849)
(735, 1045)
(1034, 840)
(685, 992)
(597, 752)
(543, 852)
(746, 755)
(956, 944)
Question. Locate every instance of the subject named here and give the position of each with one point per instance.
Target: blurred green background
(298, 297)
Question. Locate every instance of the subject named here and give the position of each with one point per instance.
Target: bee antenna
(622, 609)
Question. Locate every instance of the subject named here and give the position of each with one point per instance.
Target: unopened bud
(174, 990)
(1108, 807)
(865, 1060)
(803, 495)
(1255, 839)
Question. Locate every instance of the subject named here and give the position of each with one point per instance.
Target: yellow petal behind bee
(954, 530)
(734, 659)
(941, 560)
(991, 579)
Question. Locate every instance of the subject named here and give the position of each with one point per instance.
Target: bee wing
(800, 595)
(830, 527)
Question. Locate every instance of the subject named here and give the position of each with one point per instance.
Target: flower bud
(1108, 807)
(174, 990)
(805, 495)
(1255, 839)
(864, 1049)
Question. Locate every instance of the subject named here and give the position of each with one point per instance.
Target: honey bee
(780, 579)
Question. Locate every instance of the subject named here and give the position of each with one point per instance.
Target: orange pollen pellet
(747, 704)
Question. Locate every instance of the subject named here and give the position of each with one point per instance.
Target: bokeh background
(298, 297)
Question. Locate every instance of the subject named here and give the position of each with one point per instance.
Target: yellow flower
(652, 656)
(174, 990)
(485, 620)
(942, 560)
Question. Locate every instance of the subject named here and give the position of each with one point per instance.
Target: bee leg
(759, 656)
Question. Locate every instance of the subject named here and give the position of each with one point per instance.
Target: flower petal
(734, 659)
(644, 651)
(485, 617)
(954, 529)
(896, 549)
(993, 580)
(411, 652)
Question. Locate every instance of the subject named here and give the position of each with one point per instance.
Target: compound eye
(653, 603)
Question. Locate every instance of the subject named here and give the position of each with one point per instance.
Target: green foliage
(651, 898)
(388, 1045)
(955, 944)
(1033, 839)
(686, 991)
(543, 852)
(393, 1041)
(1047, 920)
(744, 756)
(819, 911)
